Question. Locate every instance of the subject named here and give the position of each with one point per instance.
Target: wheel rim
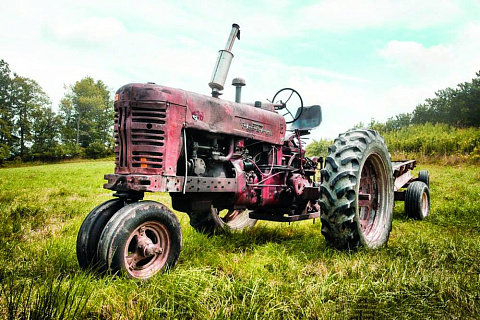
(372, 197)
(231, 215)
(424, 204)
(234, 219)
(147, 249)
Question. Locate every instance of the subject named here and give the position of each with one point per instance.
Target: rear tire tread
(340, 178)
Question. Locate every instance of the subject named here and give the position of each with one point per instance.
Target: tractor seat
(310, 118)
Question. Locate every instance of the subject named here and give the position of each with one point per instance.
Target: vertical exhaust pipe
(222, 65)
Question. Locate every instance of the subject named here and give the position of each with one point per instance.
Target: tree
(402, 120)
(422, 114)
(46, 134)
(318, 148)
(87, 114)
(6, 114)
(30, 129)
(27, 97)
(458, 107)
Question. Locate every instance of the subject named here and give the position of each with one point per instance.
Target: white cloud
(94, 30)
(468, 52)
(417, 58)
(439, 66)
(344, 15)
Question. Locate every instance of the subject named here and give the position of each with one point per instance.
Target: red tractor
(227, 165)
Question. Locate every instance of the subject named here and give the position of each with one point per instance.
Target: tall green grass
(435, 142)
(429, 270)
(439, 143)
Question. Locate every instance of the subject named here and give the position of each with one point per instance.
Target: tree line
(31, 130)
(458, 107)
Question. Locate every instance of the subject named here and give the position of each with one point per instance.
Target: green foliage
(45, 135)
(458, 107)
(429, 269)
(30, 105)
(318, 148)
(6, 114)
(31, 131)
(96, 150)
(87, 113)
(72, 150)
(439, 140)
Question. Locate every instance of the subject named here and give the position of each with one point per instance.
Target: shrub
(318, 148)
(96, 150)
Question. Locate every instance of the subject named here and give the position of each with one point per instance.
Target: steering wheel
(289, 116)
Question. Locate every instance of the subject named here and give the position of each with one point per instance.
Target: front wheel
(225, 220)
(91, 229)
(140, 240)
(357, 191)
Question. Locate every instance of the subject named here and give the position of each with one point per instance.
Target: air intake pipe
(223, 63)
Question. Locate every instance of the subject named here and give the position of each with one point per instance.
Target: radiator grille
(140, 136)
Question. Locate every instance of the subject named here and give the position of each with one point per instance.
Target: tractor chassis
(134, 186)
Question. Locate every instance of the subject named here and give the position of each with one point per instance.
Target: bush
(434, 140)
(318, 148)
(97, 150)
(71, 150)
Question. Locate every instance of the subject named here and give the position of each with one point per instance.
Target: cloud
(442, 65)
(91, 31)
(345, 15)
(417, 58)
(468, 53)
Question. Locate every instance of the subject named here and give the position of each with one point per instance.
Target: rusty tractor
(228, 164)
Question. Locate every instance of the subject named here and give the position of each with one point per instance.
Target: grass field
(429, 270)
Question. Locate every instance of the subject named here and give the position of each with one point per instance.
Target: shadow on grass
(301, 241)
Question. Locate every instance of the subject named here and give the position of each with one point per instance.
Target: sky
(357, 59)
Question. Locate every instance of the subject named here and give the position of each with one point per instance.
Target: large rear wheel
(357, 191)
(225, 220)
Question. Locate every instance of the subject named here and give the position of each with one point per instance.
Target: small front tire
(140, 240)
(91, 229)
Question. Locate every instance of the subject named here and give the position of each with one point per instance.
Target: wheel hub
(425, 204)
(146, 248)
(371, 197)
(145, 252)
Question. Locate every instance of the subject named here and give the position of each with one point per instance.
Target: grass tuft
(52, 298)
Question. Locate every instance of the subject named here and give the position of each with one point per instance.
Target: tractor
(229, 164)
